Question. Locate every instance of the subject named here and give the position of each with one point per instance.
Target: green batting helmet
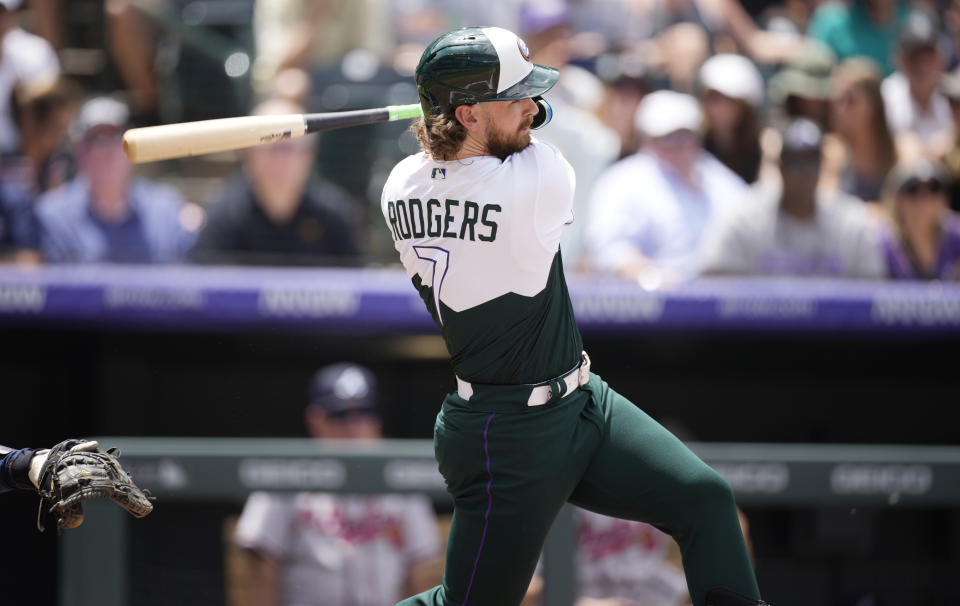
(476, 64)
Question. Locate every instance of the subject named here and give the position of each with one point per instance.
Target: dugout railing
(94, 566)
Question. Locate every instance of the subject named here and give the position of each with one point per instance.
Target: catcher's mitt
(75, 471)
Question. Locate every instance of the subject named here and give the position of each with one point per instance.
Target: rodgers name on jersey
(480, 240)
(414, 218)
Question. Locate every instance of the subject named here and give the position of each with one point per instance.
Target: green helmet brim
(538, 81)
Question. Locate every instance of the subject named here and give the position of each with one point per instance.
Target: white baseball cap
(665, 111)
(734, 76)
(99, 111)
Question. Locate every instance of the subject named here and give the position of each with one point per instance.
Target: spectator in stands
(273, 212)
(716, 24)
(684, 33)
(793, 229)
(47, 21)
(420, 22)
(317, 548)
(27, 62)
(585, 141)
(731, 92)
(802, 88)
(133, 34)
(43, 119)
(132, 41)
(862, 151)
(861, 28)
(649, 212)
(29, 70)
(626, 81)
(19, 236)
(923, 239)
(36, 103)
(950, 86)
(105, 214)
(307, 33)
(917, 110)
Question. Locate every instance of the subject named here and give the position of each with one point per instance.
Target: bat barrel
(208, 136)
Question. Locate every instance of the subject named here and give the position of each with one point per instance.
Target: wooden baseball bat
(208, 136)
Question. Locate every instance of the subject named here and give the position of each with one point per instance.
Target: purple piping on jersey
(486, 515)
(433, 276)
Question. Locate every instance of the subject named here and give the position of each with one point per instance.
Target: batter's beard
(503, 145)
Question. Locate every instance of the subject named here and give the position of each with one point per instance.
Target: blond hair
(443, 137)
(863, 75)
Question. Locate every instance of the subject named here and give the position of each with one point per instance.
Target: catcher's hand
(76, 470)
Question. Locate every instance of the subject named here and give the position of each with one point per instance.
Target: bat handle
(332, 120)
(404, 112)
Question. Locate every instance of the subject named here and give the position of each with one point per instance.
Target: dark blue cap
(344, 388)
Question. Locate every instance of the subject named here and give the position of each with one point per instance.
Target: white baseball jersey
(336, 550)
(480, 238)
(626, 559)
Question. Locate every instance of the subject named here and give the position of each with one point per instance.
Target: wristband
(17, 465)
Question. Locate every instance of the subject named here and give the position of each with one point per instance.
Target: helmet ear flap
(544, 113)
(428, 104)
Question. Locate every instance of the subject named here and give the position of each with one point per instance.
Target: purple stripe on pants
(486, 515)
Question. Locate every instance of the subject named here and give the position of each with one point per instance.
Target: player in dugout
(320, 548)
(477, 218)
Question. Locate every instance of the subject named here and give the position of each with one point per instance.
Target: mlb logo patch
(439, 173)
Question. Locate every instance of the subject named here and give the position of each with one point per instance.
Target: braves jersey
(626, 559)
(340, 550)
(480, 238)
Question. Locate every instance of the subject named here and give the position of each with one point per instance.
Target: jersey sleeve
(6, 481)
(14, 467)
(265, 524)
(556, 183)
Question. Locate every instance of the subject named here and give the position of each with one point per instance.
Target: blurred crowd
(750, 137)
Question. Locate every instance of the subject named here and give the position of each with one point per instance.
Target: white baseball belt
(542, 393)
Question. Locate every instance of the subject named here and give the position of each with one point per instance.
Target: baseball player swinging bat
(208, 136)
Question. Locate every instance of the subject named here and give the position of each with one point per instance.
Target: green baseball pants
(511, 467)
